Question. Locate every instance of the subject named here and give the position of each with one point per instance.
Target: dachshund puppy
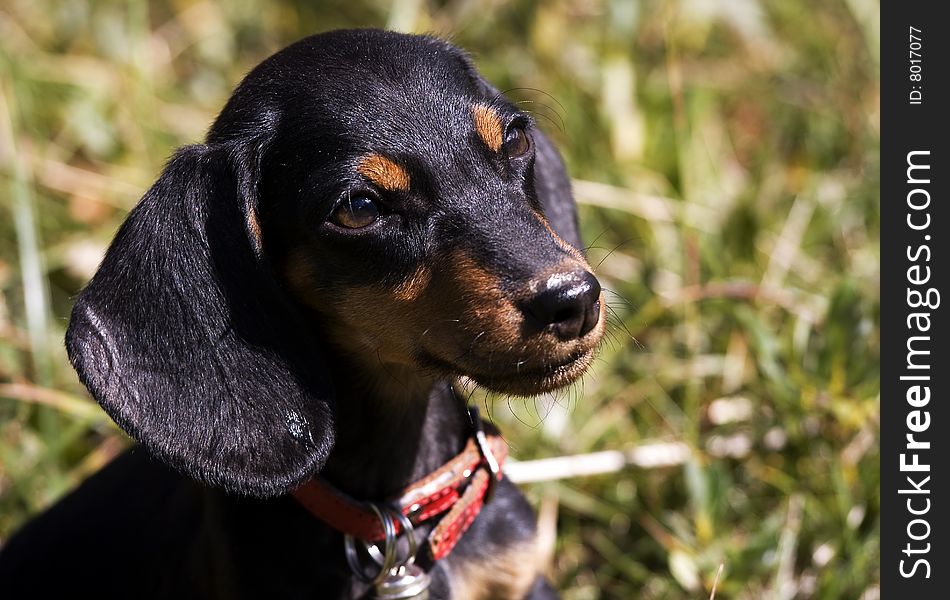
(367, 221)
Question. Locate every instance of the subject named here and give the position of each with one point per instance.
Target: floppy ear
(187, 341)
(553, 187)
(551, 182)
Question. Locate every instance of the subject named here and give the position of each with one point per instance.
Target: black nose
(567, 303)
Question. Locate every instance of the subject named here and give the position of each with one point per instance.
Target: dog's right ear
(187, 341)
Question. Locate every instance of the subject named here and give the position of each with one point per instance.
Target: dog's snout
(566, 303)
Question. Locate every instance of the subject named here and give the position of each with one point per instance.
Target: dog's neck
(393, 427)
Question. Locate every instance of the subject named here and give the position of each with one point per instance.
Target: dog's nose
(567, 303)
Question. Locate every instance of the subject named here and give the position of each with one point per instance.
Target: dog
(280, 323)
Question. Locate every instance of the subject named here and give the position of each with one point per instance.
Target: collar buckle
(452, 495)
(481, 440)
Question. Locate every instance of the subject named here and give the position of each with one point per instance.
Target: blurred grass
(726, 161)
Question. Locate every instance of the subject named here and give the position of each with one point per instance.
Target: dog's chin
(536, 380)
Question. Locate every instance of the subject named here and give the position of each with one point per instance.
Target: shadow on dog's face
(374, 182)
(400, 204)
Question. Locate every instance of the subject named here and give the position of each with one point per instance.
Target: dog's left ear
(553, 187)
(186, 339)
(551, 182)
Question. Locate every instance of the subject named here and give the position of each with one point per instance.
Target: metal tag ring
(407, 527)
(389, 549)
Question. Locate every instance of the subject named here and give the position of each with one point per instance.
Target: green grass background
(725, 157)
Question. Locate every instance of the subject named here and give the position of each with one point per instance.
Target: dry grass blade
(715, 585)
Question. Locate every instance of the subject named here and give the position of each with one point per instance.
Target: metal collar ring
(388, 554)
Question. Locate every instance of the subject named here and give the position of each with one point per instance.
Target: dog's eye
(355, 212)
(516, 142)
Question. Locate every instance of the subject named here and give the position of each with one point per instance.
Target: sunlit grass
(725, 161)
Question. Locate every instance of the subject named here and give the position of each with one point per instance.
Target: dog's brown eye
(516, 142)
(355, 212)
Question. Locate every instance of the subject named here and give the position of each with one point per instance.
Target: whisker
(559, 123)
(610, 339)
(614, 249)
(618, 296)
(471, 346)
(533, 89)
(594, 241)
(623, 325)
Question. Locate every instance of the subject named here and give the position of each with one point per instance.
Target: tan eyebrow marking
(488, 126)
(384, 173)
(254, 225)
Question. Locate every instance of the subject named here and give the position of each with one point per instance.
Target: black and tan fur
(248, 336)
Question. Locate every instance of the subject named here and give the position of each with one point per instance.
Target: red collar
(459, 489)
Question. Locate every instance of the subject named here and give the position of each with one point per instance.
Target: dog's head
(370, 183)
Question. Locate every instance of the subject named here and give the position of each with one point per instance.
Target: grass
(725, 158)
